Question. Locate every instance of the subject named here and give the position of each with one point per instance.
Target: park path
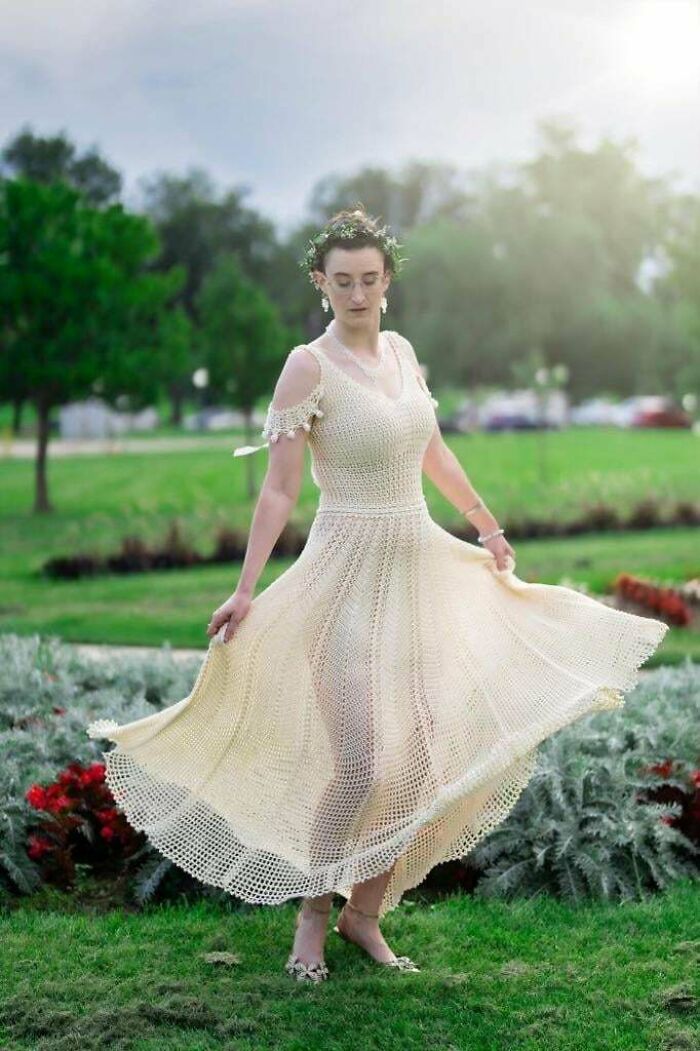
(25, 448)
(102, 651)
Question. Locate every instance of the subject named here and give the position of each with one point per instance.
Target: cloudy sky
(275, 94)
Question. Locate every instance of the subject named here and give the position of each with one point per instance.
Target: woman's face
(354, 283)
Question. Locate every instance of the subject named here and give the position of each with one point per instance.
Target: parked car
(594, 412)
(639, 410)
(661, 412)
(651, 410)
(513, 422)
(522, 410)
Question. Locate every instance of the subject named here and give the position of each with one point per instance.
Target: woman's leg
(310, 934)
(359, 919)
(333, 833)
(368, 895)
(350, 806)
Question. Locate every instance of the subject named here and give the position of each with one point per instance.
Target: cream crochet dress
(384, 696)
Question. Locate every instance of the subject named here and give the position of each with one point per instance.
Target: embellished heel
(296, 968)
(402, 963)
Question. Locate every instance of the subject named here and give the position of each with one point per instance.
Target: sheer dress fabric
(384, 698)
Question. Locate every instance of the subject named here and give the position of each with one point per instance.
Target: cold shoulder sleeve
(286, 420)
(289, 420)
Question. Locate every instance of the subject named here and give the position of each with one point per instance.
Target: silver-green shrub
(577, 831)
(41, 674)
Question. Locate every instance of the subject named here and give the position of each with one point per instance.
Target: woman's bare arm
(446, 472)
(285, 470)
(280, 489)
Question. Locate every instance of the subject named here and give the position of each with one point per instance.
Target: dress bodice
(366, 448)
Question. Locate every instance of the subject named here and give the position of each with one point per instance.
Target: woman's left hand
(500, 549)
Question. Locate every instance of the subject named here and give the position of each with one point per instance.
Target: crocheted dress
(384, 697)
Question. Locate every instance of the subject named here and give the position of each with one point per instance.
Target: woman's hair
(351, 228)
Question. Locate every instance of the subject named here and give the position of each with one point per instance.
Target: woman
(377, 708)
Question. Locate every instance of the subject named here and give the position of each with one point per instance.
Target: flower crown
(347, 229)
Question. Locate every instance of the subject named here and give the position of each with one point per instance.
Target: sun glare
(659, 46)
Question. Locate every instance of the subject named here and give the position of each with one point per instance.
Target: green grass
(100, 499)
(527, 976)
(175, 606)
(540, 473)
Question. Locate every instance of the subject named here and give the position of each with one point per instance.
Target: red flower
(78, 798)
(108, 814)
(662, 769)
(695, 778)
(36, 797)
(664, 600)
(71, 775)
(38, 846)
(667, 820)
(58, 710)
(58, 803)
(94, 774)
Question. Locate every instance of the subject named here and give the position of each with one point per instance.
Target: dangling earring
(325, 304)
(383, 304)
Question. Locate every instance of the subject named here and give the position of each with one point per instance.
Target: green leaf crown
(347, 229)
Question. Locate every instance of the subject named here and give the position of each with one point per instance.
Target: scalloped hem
(199, 839)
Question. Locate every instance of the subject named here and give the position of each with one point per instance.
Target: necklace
(370, 370)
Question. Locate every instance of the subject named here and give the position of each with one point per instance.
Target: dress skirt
(381, 704)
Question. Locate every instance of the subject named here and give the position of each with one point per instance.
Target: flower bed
(613, 810)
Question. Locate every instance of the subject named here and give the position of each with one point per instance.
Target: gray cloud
(276, 93)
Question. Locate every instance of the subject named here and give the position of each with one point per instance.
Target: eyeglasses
(344, 286)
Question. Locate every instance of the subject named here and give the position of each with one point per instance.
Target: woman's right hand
(231, 613)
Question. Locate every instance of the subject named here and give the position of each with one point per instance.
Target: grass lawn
(101, 499)
(524, 976)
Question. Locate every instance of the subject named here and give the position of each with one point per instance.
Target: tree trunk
(251, 439)
(177, 399)
(41, 495)
(17, 406)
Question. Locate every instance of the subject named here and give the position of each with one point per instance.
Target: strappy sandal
(311, 972)
(402, 963)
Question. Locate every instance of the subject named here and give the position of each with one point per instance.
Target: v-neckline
(372, 390)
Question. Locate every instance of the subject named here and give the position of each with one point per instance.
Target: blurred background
(162, 167)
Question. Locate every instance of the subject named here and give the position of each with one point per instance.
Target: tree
(603, 189)
(679, 288)
(195, 225)
(547, 254)
(420, 192)
(78, 307)
(48, 159)
(243, 339)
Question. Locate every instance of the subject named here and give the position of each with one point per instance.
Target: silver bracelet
(490, 536)
(476, 507)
